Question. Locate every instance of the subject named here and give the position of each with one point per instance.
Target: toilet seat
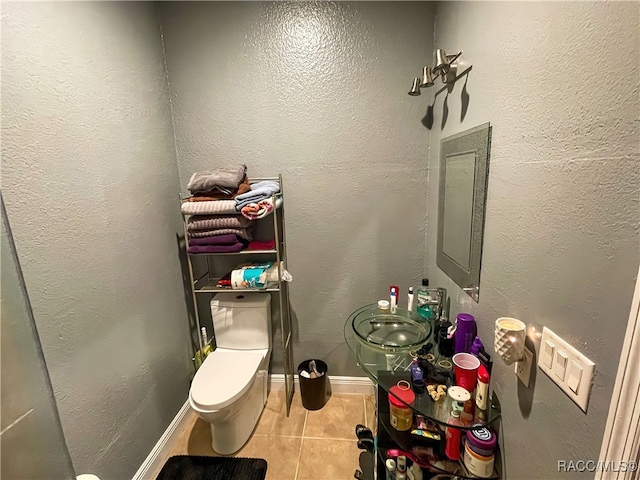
(224, 376)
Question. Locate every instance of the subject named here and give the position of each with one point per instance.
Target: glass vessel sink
(390, 332)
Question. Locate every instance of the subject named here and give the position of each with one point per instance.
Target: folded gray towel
(225, 179)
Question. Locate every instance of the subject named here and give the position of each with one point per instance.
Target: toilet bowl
(229, 390)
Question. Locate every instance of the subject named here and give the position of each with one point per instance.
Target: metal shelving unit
(207, 283)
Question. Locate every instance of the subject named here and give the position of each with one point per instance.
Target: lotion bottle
(454, 436)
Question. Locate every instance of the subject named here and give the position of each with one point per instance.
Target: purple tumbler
(465, 332)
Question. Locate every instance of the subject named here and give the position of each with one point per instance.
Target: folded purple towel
(226, 239)
(216, 248)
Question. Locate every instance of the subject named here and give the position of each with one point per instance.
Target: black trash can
(315, 392)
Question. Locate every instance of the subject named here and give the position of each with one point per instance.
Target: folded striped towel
(212, 207)
(241, 232)
(210, 222)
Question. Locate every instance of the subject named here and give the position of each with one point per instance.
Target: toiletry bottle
(441, 324)
(476, 346)
(390, 465)
(202, 353)
(454, 436)
(206, 350)
(410, 299)
(394, 301)
(401, 470)
(425, 300)
(465, 332)
(414, 472)
(482, 390)
(416, 371)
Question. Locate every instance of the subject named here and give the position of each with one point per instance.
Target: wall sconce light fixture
(446, 67)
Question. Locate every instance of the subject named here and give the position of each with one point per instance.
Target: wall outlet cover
(523, 368)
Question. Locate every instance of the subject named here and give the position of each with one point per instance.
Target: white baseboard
(158, 454)
(359, 385)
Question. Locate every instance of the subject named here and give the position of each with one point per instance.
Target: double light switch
(567, 367)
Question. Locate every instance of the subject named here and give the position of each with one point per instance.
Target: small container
(482, 441)
(383, 305)
(478, 465)
(401, 397)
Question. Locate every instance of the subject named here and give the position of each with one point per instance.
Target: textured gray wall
(90, 182)
(561, 235)
(317, 92)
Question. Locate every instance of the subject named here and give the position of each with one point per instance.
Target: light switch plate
(581, 397)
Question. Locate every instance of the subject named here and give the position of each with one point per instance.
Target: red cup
(465, 369)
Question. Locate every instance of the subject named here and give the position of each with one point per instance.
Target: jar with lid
(401, 398)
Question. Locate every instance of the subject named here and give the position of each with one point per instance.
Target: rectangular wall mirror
(464, 170)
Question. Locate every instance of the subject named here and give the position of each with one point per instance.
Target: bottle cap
(410, 289)
(483, 375)
(482, 438)
(465, 317)
(425, 282)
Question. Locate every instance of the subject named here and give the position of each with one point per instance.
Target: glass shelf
(386, 367)
(210, 285)
(429, 454)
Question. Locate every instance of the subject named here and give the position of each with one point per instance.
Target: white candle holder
(509, 339)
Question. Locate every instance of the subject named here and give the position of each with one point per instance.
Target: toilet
(229, 390)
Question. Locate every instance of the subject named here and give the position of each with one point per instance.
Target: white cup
(509, 339)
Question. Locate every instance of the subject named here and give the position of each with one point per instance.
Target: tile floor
(318, 445)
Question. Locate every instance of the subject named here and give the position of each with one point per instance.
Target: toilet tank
(242, 320)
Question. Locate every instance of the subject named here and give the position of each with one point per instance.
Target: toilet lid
(224, 376)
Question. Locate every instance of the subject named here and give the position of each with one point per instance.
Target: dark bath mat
(189, 467)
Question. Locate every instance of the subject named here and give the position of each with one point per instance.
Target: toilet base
(231, 431)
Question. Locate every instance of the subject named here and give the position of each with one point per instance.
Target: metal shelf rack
(207, 283)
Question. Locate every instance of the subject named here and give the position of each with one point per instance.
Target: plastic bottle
(414, 472)
(476, 346)
(425, 300)
(454, 437)
(482, 390)
(410, 299)
(401, 464)
(466, 331)
(205, 351)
